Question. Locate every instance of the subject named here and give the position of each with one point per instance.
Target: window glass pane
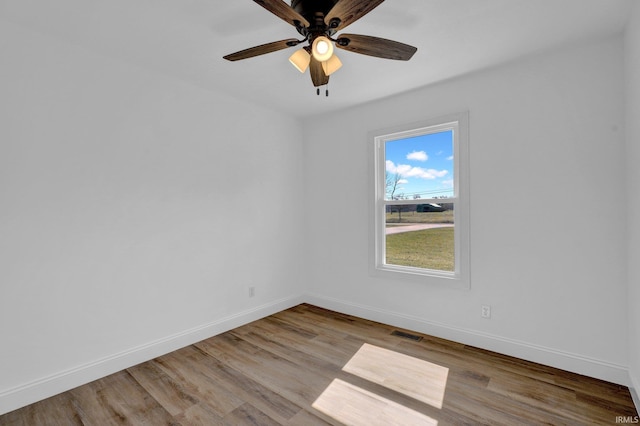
(419, 167)
(420, 177)
(420, 235)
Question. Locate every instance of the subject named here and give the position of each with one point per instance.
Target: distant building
(430, 207)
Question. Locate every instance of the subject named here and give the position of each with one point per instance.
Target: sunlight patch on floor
(355, 406)
(418, 379)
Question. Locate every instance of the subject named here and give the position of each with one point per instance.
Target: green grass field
(415, 217)
(430, 248)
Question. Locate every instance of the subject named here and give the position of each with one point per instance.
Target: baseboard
(548, 356)
(634, 388)
(29, 393)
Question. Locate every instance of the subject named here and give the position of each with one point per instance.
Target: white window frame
(459, 123)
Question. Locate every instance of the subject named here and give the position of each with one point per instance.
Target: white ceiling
(187, 39)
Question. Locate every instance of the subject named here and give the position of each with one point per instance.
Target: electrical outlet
(252, 291)
(486, 311)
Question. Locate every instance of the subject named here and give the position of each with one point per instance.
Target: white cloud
(418, 156)
(407, 171)
(448, 183)
(403, 181)
(450, 157)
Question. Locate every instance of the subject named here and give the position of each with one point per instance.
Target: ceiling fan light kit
(318, 21)
(322, 48)
(300, 59)
(331, 65)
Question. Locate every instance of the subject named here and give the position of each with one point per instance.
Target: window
(420, 200)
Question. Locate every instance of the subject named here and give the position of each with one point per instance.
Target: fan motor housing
(309, 8)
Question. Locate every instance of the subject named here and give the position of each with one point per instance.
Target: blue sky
(424, 164)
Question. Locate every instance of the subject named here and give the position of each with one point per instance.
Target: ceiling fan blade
(349, 11)
(376, 46)
(261, 50)
(318, 77)
(283, 11)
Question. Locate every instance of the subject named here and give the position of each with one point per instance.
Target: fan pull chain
(326, 90)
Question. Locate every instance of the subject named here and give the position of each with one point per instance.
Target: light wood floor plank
(304, 417)
(200, 414)
(309, 366)
(166, 391)
(247, 414)
(232, 382)
(58, 410)
(118, 400)
(192, 380)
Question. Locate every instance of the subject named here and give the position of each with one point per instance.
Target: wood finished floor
(276, 370)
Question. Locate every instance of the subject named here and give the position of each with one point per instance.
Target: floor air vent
(406, 335)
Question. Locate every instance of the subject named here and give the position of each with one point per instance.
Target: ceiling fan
(318, 21)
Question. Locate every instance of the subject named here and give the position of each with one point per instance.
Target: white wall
(548, 245)
(125, 229)
(135, 212)
(632, 71)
